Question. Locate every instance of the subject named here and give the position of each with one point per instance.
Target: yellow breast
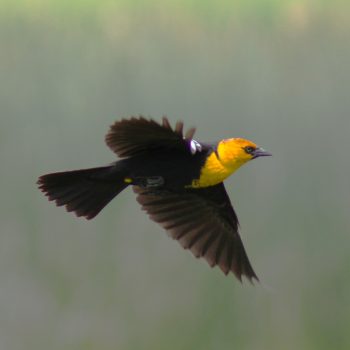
(212, 173)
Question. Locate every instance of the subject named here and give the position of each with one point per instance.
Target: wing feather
(203, 221)
(138, 135)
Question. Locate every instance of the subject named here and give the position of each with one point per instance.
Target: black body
(176, 168)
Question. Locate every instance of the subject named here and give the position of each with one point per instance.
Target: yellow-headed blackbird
(178, 182)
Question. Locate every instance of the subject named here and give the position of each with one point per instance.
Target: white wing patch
(195, 147)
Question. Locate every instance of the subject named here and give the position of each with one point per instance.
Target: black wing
(136, 136)
(204, 221)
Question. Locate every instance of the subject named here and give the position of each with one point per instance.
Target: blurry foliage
(210, 13)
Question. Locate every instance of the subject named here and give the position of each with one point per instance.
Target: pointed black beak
(260, 152)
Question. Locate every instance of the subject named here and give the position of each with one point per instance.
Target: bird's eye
(249, 149)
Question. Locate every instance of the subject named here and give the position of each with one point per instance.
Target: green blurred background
(276, 72)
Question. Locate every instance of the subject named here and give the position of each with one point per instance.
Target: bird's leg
(149, 182)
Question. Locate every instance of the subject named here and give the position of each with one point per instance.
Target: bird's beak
(260, 152)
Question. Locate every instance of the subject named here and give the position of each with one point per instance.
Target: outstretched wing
(204, 221)
(136, 136)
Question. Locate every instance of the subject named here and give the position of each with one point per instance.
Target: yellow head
(230, 154)
(235, 152)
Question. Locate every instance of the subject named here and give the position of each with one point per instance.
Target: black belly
(168, 170)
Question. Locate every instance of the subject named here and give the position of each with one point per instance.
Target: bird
(178, 181)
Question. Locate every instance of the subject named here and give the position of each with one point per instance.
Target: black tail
(85, 192)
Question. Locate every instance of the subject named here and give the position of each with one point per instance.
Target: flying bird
(178, 182)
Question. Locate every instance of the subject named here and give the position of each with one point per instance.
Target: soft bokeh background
(276, 72)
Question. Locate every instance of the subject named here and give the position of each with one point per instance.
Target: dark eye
(249, 149)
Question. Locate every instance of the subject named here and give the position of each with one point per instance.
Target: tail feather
(85, 192)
